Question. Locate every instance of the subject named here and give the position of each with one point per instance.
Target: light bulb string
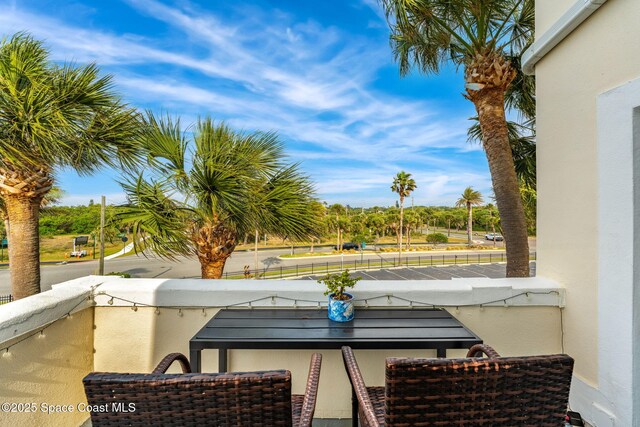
(272, 299)
(249, 305)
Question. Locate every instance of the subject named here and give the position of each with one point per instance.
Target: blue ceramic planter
(341, 311)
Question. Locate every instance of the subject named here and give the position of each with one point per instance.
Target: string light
(366, 302)
(40, 332)
(273, 299)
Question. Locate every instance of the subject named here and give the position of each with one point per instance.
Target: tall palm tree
(403, 184)
(523, 148)
(199, 199)
(485, 38)
(468, 199)
(51, 117)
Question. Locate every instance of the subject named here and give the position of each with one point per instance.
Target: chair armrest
(478, 349)
(358, 387)
(169, 359)
(311, 391)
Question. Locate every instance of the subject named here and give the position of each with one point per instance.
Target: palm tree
(523, 149)
(403, 184)
(199, 200)
(485, 38)
(468, 199)
(51, 117)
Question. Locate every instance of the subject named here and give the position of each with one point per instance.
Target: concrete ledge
(535, 291)
(29, 314)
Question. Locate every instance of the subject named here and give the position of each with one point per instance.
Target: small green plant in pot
(340, 307)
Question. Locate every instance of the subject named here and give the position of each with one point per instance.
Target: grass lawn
(58, 248)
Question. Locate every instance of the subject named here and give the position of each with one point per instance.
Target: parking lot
(448, 272)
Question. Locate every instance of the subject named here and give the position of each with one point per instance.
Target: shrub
(436, 238)
(119, 273)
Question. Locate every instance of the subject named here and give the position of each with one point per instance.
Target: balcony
(50, 342)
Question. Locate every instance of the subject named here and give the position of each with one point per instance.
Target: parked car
(78, 254)
(494, 237)
(348, 246)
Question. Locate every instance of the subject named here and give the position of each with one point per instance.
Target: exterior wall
(583, 241)
(548, 12)
(111, 334)
(129, 340)
(601, 54)
(135, 341)
(49, 370)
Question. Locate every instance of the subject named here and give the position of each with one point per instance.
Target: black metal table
(280, 329)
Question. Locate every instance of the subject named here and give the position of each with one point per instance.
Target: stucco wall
(135, 341)
(48, 369)
(601, 54)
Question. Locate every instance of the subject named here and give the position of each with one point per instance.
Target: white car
(78, 254)
(494, 237)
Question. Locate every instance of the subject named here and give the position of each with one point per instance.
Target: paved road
(139, 266)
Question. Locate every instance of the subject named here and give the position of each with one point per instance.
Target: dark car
(348, 246)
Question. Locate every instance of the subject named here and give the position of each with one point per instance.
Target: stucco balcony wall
(107, 333)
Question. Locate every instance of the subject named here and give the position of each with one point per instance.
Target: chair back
(504, 391)
(227, 399)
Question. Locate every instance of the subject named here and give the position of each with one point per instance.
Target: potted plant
(340, 307)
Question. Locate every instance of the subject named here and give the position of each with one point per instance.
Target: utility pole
(255, 253)
(103, 208)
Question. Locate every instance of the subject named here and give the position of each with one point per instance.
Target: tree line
(198, 192)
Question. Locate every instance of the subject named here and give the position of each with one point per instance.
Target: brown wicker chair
(495, 391)
(189, 399)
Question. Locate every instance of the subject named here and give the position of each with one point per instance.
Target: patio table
(282, 329)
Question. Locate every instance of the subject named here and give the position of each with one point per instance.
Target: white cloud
(312, 83)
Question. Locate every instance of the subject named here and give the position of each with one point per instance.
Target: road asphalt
(180, 268)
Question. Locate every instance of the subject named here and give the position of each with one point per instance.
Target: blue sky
(321, 74)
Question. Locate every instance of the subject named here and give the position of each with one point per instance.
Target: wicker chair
(494, 391)
(190, 399)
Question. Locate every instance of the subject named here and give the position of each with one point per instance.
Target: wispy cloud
(316, 84)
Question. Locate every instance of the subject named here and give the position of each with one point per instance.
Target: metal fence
(5, 299)
(282, 271)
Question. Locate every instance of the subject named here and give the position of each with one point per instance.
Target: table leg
(354, 408)
(222, 360)
(442, 352)
(194, 355)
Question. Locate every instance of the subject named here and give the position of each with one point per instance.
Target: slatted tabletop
(311, 329)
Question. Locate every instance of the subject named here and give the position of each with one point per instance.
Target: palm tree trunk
(400, 237)
(469, 224)
(214, 244)
(213, 269)
(24, 238)
(489, 104)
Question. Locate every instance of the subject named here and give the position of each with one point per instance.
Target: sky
(320, 73)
